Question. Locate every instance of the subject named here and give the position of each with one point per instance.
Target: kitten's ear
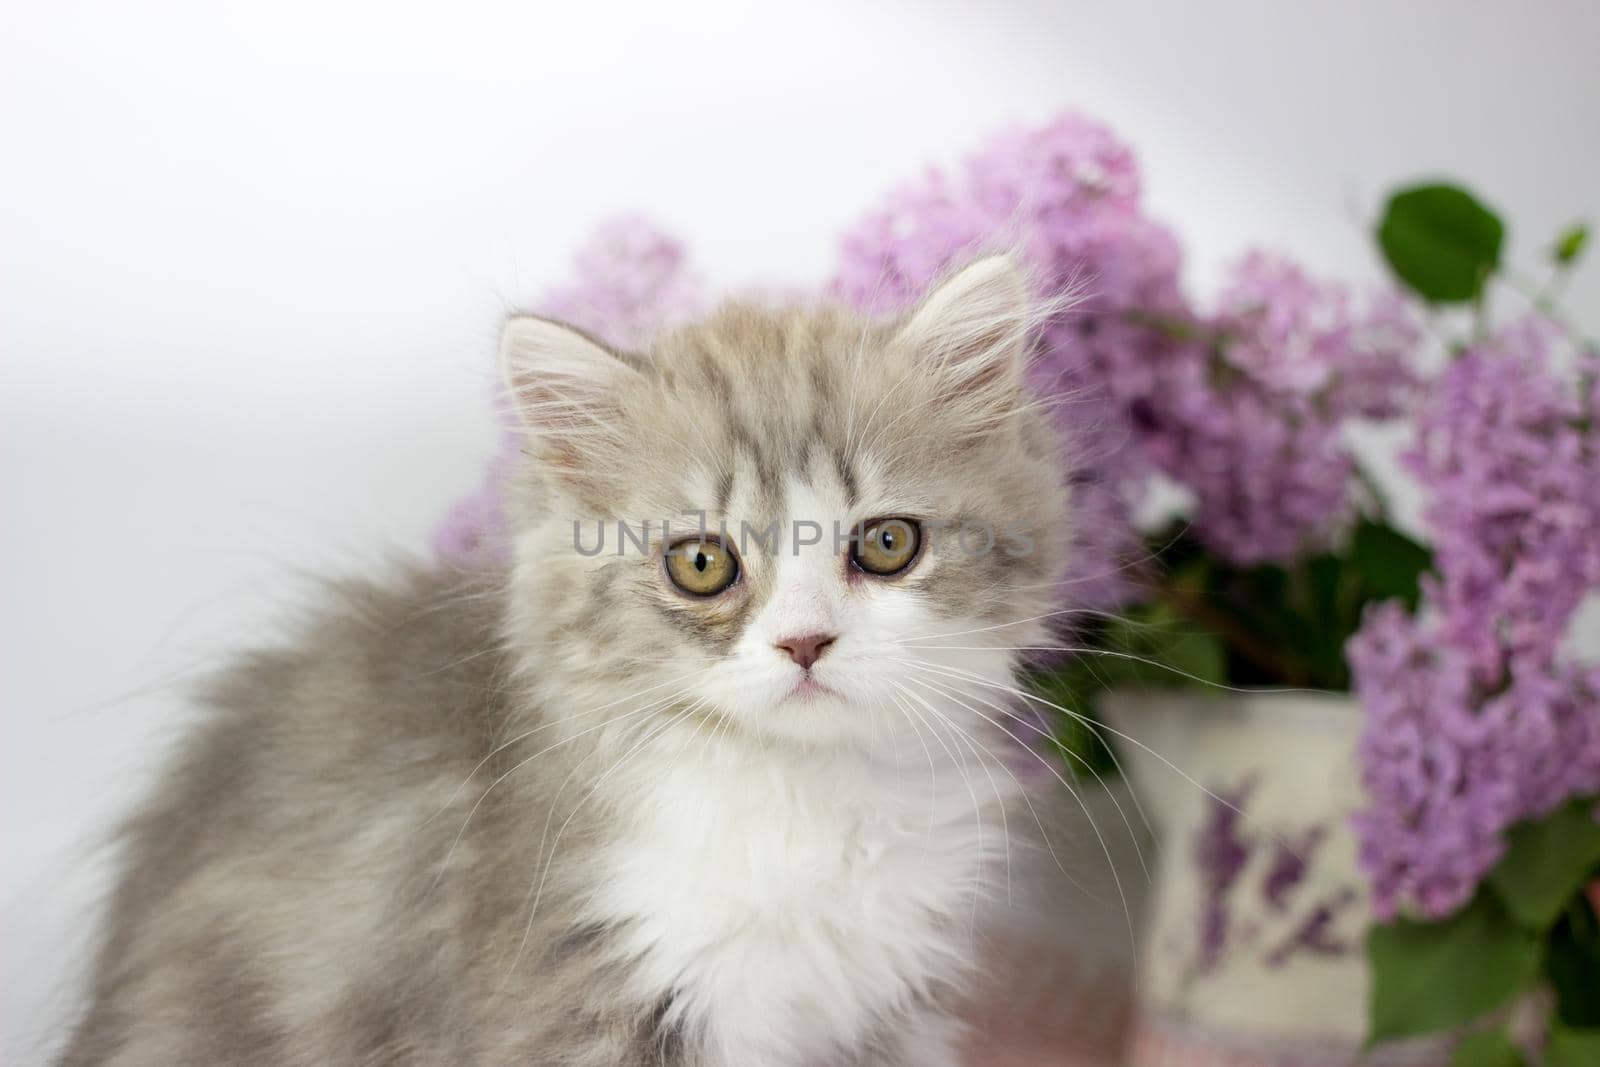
(975, 325)
(563, 385)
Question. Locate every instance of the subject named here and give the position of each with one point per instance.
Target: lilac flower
(1298, 337)
(1253, 424)
(1431, 828)
(1447, 771)
(1514, 471)
(1474, 721)
(630, 279)
(473, 528)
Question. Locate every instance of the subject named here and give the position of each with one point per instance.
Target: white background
(252, 260)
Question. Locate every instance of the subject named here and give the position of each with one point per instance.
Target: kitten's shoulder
(381, 692)
(381, 684)
(417, 641)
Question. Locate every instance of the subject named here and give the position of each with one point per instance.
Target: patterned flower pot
(1252, 948)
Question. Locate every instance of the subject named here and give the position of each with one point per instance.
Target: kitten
(705, 797)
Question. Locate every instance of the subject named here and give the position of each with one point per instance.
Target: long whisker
(956, 695)
(1272, 835)
(1042, 732)
(1094, 729)
(1105, 848)
(977, 811)
(1089, 651)
(933, 775)
(688, 744)
(627, 757)
(963, 735)
(996, 626)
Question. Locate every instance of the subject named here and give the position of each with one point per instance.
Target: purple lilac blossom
(1254, 423)
(1475, 719)
(1447, 770)
(630, 279)
(1510, 448)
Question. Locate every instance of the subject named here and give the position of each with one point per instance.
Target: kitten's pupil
(705, 571)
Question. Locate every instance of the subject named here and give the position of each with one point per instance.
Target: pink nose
(807, 649)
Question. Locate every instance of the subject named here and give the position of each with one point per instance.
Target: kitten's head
(816, 526)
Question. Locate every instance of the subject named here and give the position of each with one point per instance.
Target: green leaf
(1152, 645)
(1569, 246)
(1546, 862)
(1572, 963)
(1082, 747)
(1178, 645)
(1323, 579)
(1390, 564)
(1441, 241)
(1572, 1048)
(1488, 1049)
(1432, 976)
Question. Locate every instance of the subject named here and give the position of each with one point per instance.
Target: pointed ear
(975, 325)
(563, 385)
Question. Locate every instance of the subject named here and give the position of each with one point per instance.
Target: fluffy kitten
(717, 801)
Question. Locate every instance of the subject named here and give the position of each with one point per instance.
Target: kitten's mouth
(808, 688)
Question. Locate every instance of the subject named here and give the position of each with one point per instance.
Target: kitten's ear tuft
(562, 384)
(975, 324)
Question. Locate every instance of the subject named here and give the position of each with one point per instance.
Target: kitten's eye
(887, 546)
(701, 567)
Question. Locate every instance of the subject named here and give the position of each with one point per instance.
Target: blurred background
(252, 261)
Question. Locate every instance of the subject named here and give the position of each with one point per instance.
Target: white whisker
(1005, 829)
(1105, 848)
(1080, 717)
(537, 893)
(966, 779)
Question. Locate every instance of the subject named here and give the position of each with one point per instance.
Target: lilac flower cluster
(1245, 407)
(1476, 720)
(630, 279)
(1253, 424)
(1508, 447)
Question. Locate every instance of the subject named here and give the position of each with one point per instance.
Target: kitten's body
(561, 814)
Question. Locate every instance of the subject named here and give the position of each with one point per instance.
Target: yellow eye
(701, 567)
(887, 546)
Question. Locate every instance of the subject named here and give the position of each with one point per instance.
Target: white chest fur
(792, 904)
